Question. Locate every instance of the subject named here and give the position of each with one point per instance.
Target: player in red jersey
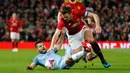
(74, 5)
(78, 6)
(15, 26)
(77, 31)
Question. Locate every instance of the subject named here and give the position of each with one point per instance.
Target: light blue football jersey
(60, 60)
(42, 58)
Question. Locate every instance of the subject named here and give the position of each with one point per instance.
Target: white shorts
(14, 35)
(76, 39)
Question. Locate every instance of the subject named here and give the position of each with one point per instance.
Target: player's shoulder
(39, 55)
(61, 20)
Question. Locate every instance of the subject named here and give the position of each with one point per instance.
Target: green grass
(16, 62)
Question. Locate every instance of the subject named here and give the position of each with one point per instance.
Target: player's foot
(15, 50)
(106, 65)
(91, 56)
(84, 59)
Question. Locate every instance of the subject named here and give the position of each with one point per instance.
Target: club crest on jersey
(14, 23)
(78, 8)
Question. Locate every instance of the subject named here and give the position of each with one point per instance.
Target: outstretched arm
(31, 66)
(60, 40)
(89, 14)
(59, 16)
(54, 39)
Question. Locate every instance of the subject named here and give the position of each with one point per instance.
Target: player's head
(66, 13)
(14, 16)
(40, 47)
(72, 1)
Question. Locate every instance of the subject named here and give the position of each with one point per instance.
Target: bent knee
(90, 40)
(69, 61)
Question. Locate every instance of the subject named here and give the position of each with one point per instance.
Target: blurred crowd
(40, 18)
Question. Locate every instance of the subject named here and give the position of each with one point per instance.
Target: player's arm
(60, 40)
(57, 34)
(94, 16)
(31, 66)
(96, 20)
(55, 38)
(58, 43)
(58, 16)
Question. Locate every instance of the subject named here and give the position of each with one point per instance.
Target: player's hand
(98, 29)
(51, 48)
(28, 68)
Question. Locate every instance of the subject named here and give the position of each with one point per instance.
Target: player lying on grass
(61, 62)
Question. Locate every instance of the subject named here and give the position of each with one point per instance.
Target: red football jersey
(14, 25)
(74, 26)
(77, 5)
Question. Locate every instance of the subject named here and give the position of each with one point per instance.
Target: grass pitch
(16, 62)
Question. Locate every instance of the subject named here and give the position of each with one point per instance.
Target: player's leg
(14, 39)
(66, 63)
(75, 42)
(89, 54)
(76, 46)
(89, 37)
(17, 40)
(70, 61)
(60, 40)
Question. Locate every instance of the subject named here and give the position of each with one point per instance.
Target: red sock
(87, 48)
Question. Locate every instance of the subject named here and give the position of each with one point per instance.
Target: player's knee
(69, 61)
(90, 40)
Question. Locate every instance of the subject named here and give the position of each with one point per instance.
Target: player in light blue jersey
(62, 62)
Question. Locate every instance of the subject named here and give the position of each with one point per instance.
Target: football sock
(16, 44)
(97, 50)
(78, 55)
(13, 44)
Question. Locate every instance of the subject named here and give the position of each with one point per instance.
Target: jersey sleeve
(60, 24)
(35, 60)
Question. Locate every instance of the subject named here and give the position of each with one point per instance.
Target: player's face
(41, 48)
(14, 15)
(67, 17)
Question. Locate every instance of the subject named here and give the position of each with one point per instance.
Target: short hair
(66, 9)
(39, 41)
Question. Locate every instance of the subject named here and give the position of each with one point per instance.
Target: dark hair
(39, 41)
(65, 9)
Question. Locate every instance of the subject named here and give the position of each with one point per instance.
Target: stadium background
(39, 22)
(40, 18)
